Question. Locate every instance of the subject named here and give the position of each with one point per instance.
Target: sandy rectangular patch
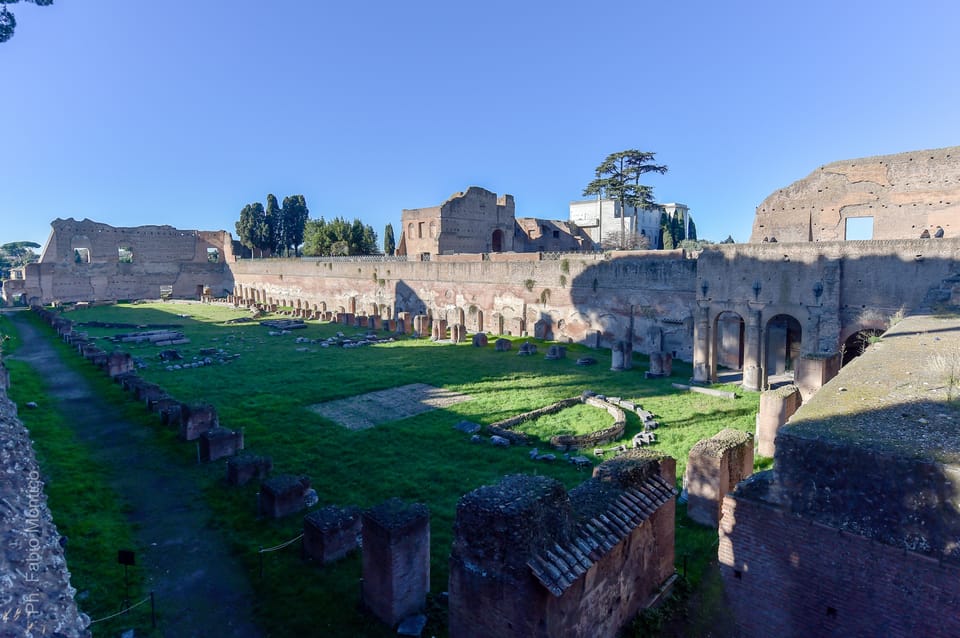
(375, 408)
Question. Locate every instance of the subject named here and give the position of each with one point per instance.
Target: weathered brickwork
(790, 577)
(905, 194)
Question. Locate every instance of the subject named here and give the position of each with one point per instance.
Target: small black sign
(126, 557)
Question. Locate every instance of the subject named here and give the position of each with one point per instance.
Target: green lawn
(267, 389)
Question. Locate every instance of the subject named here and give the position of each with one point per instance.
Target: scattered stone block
(468, 427)
(556, 352)
(527, 349)
(499, 441)
(396, 560)
(197, 419)
(217, 443)
(586, 361)
(331, 532)
(502, 345)
(661, 365)
(480, 340)
(240, 469)
(119, 363)
(283, 495)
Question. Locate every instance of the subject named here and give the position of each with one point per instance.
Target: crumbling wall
(529, 559)
(36, 599)
(776, 408)
(906, 194)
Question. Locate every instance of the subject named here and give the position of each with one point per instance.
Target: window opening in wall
(858, 228)
(125, 255)
(556, 234)
(420, 230)
(81, 255)
(213, 255)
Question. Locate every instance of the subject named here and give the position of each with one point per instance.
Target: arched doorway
(783, 339)
(857, 343)
(496, 243)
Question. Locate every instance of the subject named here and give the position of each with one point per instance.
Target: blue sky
(180, 112)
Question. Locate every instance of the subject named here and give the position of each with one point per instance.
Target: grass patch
(85, 508)
(577, 419)
(267, 388)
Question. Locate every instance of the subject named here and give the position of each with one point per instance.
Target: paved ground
(200, 589)
(373, 408)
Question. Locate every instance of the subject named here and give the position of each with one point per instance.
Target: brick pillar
(776, 408)
(701, 345)
(396, 559)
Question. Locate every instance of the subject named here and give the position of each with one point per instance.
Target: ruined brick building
(860, 517)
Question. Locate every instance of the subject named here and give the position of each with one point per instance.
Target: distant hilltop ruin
(912, 195)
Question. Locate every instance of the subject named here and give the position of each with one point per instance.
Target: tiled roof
(559, 566)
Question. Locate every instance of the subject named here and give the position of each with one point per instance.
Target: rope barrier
(120, 613)
(281, 545)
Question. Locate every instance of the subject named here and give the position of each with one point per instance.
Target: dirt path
(200, 589)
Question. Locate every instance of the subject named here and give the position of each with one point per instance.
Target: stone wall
(87, 261)
(582, 298)
(792, 577)
(905, 194)
(465, 223)
(36, 599)
(856, 530)
(531, 560)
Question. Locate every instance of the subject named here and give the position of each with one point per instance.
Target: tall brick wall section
(776, 408)
(905, 194)
(786, 576)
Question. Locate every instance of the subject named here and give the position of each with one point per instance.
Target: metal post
(153, 611)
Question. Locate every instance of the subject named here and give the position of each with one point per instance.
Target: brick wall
(787, 576)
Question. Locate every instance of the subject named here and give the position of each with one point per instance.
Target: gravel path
(200, 589)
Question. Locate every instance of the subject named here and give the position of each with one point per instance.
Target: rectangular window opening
(858, 228)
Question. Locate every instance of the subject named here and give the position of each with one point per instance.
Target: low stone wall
(36, 599)
(505, 428)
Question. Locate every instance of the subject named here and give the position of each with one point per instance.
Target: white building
(601, 218)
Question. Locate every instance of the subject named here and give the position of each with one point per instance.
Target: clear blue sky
(180, 112)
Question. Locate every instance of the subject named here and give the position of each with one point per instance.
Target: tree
(16, 254)
(632, 241)
(389, 243)
(8, 23)
(692, 230)
(295, 215)
(338, 237)
(666, 233)
(248, 225)
(618, 178)
(275, 225)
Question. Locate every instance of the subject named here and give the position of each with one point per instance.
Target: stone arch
(856, 344)
(783, 339)
(479, 325)
(461, 317)
(496, 241)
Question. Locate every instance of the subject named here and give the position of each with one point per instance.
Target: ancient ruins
(859, 520)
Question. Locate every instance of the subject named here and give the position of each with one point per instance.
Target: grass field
(267, 389)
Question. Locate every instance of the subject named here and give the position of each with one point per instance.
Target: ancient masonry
(35, 590)
(530, 559)
(857, 529)
(908, 195)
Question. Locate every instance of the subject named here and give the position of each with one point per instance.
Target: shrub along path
(200, 589)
